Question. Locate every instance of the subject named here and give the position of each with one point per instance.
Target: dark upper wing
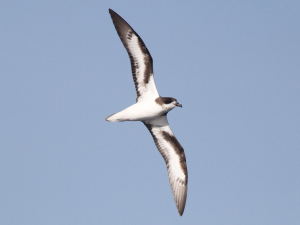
(174, 156)
(140, 58)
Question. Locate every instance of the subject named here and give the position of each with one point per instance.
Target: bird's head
(167, 103)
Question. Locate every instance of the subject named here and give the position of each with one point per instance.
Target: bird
(151, 109)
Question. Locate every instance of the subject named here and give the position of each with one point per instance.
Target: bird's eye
(169, 101)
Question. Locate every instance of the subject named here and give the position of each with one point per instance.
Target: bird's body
(141, 111)
(151, 109)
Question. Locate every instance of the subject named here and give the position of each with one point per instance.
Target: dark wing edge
(175, 160)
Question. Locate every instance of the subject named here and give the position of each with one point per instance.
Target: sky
(233, 65)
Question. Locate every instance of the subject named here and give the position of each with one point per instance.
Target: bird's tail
(116, 117)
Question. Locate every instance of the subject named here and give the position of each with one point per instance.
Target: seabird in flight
(152, 110)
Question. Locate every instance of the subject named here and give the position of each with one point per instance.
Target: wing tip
(113, 14)
(181, 206)
(180, 196)
(180, 212)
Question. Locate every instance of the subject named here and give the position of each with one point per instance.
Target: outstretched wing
(140, 58)
(174, 156)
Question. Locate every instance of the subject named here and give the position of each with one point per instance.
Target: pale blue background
(235, 67)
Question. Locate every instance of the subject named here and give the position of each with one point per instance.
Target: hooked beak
(179, 105)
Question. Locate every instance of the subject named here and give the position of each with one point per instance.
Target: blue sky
(235, 67)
